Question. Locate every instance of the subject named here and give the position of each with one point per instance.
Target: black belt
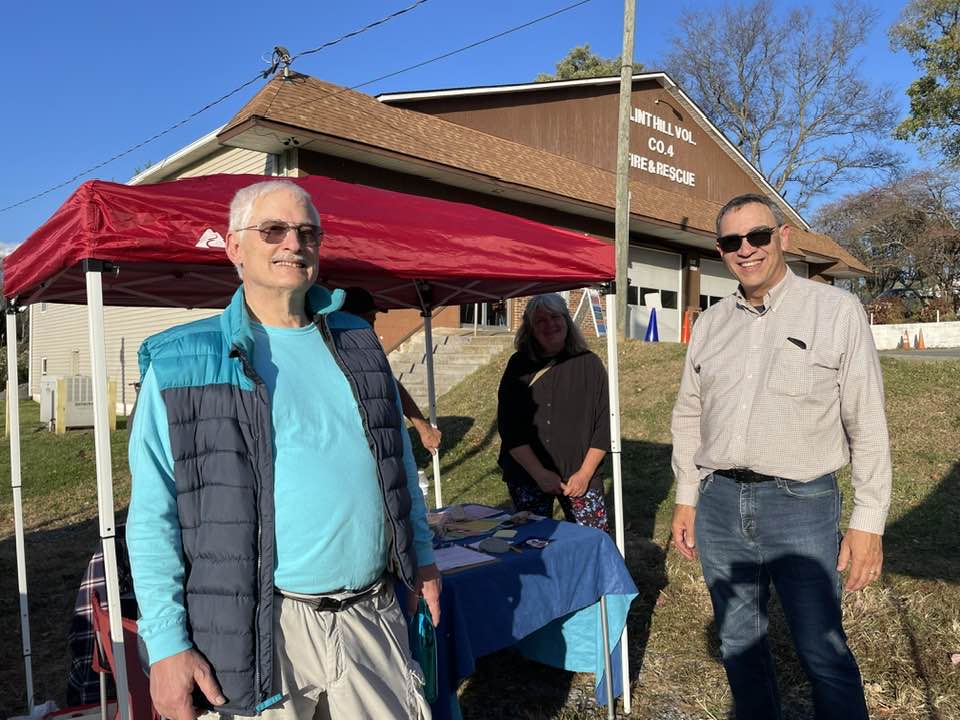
(743, 475)
(324, 603)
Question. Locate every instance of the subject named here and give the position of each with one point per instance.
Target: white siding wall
(62, 330)
(237, 161)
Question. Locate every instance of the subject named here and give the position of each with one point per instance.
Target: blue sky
(85, 81)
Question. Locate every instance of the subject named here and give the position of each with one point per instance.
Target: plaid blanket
(83, 684)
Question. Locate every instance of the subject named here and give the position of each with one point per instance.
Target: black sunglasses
(760, 237)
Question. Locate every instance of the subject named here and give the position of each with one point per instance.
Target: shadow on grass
(56, 560)
(507, 685)
(500, 687)
(453, 429)
(791, 679)
(923, 543)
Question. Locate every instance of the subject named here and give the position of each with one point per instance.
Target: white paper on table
(456, 556)
(480, 512)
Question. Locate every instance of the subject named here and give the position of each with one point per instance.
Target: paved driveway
(930, 354)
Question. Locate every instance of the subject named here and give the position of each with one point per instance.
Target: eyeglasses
(274, 232)
(757, 238)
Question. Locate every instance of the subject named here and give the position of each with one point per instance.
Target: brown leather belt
(744, 475)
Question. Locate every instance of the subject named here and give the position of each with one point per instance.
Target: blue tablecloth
(545, 601)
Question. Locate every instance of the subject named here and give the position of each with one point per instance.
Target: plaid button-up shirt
(793, 390)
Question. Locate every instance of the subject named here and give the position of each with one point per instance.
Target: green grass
(902, 629)
(58, 472)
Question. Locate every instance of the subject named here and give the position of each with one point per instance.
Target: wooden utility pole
(622, 235)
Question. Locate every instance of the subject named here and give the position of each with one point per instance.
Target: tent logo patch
(211, 239)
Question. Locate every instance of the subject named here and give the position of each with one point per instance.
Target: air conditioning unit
(67, 402)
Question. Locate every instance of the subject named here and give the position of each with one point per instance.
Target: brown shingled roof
(316, 106)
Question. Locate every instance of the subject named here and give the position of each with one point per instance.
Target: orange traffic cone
(921, 345)
(905, 343)
(685, 329)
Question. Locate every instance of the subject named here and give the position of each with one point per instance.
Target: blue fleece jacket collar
(235, 321)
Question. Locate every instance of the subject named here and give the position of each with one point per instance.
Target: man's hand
(577, 484)
(429, 435)
(549, 482)
(429, 583)
(171, 685)
(862, 552)
(683, 533)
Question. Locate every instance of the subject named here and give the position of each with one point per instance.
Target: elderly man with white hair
(275, 496)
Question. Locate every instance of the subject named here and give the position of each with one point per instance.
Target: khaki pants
(354, 664)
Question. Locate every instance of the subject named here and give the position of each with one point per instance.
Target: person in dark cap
(360, 302)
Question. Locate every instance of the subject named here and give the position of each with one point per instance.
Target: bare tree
(787, 90)
(907, 231)
(938, 250)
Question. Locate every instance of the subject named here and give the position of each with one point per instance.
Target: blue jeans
(787, 532)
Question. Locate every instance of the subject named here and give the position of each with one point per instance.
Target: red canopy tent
(166, 242)
(162, 245)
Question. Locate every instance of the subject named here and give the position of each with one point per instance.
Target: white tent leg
(13, 418)
(432, 402)
(101, 434)
(607, 664)
(613, 381)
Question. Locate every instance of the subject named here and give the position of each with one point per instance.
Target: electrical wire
(274, 66)
(364, 29)
(446, 55)
(277, 58)
(132, 148)
(497, 36)
(319, 96)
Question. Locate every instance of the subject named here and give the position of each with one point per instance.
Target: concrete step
(457, 353)
(442, 361)
(418, 355)
(410, 382)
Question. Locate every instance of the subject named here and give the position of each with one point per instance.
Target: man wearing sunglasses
(275, 495)
(781, 388)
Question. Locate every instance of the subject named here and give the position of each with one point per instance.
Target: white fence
(935, 335)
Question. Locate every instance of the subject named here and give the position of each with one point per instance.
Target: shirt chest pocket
(801, 372)
(716, 376)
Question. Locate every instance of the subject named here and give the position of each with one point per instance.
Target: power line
(364, 29)
(280, 56)
(473, 45)
(139, 145)
(451, 53)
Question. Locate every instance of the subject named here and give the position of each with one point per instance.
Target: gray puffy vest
(221, 439)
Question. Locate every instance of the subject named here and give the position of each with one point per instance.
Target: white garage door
(716, 282)
(654, 282)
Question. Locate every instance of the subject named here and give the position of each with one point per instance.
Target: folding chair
(141, 708)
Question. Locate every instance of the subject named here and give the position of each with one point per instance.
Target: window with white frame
(43, 366)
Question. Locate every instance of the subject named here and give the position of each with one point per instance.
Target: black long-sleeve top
(561, 416)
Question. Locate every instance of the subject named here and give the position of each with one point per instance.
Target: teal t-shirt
(329, 510)
(323, 467)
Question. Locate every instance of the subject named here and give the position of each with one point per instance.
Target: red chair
(138, 684)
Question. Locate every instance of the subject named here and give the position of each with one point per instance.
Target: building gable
(672, 145)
